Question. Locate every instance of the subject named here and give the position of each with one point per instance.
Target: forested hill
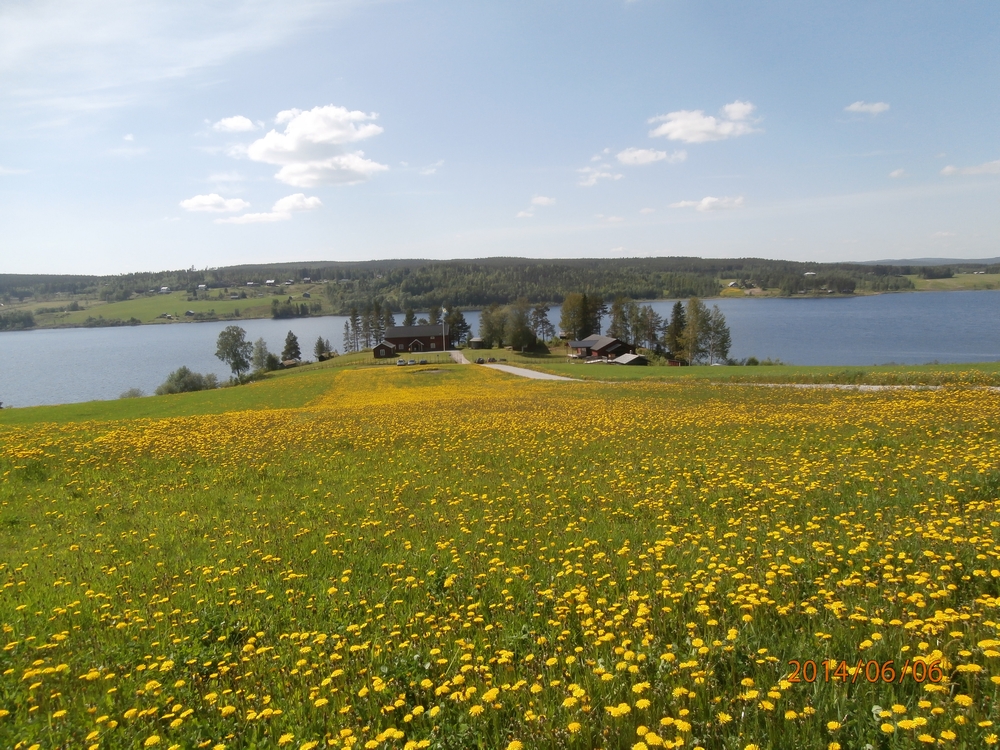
(420, 283)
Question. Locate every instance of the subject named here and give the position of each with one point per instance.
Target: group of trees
(515, 325)
(233, 348)
(366, 326)
(693, 333)
(697, 334)
(289, 309)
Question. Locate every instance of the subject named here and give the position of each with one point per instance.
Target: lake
(81, 364)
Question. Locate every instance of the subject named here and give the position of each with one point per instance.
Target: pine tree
(673, 334)
(291, 350)
(410, 317)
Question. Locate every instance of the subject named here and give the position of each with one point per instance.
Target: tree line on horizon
(479, 283)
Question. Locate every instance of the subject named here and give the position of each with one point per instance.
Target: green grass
(980, 373)
(453, 557)
(280, 390)
(959, 282)
(149, 308)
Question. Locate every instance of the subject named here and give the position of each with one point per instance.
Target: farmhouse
(600, 346)
(413, 339)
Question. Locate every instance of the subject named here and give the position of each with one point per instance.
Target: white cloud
(542, 200)
(694, 126)
(213, 202)
(897, 173)
(990, 167)
(872, 108)
(589, 176)
(638, 156)
(943, 234)
(235, 124)
(9, 170)
(647, 211)
(128, 137)
(710, 203)
(296, 202)
(282, 210)
(525, 214)
(311, 150)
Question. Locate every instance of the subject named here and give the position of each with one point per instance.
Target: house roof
(628, 359)
(597, 342)
(405, 332)
(384, 343)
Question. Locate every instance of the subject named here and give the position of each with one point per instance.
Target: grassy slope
(959, 282)
(148, 309)
(983, 373)
(565, 548)
(288, 389)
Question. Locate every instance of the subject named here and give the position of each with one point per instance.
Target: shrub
(133, 393)
(184, 380)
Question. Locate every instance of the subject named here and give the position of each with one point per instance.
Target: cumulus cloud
(990, 167)
(897, 173)
(282, 210)
(235, 124)
(871, 108)
(213, 202)
(639, 156)
(525, 214)
(313, 151)
(590, 176)
(647, 211)
(711, 203)
(694, 126)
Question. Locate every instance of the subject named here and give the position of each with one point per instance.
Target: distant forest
(419, 284)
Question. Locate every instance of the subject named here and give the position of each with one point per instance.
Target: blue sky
(150, 135)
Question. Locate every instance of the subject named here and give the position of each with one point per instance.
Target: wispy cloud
(694, 126)
(11, 171)
(711, 203)
(282, 210)
(539, 201)
(871, 108)
(590, 176)
(897, 173)
(640, 156)
(432, 168)
(990, 167)
(85, 55)
(214, 203)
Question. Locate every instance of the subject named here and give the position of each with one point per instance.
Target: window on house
(434, 345)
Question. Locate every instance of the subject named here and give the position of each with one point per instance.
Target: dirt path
(533, 374)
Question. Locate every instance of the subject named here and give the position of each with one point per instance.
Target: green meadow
(449, 557)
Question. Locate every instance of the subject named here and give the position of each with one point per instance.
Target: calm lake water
(83, 364)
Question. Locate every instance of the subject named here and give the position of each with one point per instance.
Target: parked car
(480, 361)
(491, 359)
(423, 361)
(412, 362)
(400, 362)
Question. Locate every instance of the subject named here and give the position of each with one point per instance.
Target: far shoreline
(234, 320)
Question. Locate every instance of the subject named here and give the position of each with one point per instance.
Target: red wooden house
(409, 339)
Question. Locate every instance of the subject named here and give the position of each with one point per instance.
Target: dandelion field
(453, 558)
